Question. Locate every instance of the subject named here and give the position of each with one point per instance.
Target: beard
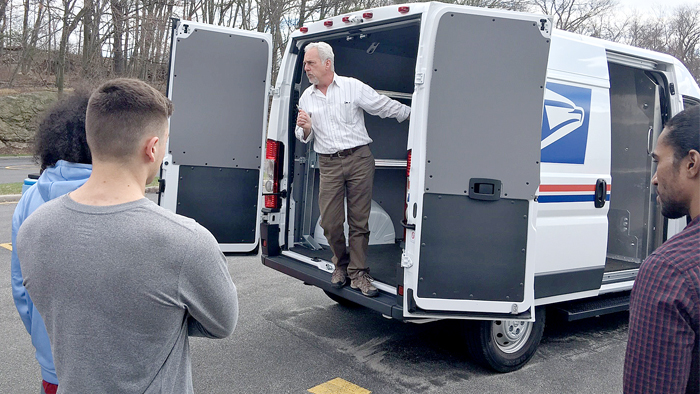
(673, 209)
(312, 79)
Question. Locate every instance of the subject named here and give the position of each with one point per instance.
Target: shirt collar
(336, 81)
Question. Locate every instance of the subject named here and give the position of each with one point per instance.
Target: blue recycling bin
(29, 181)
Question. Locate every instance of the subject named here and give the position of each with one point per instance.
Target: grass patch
(16, 188)
(11, 188)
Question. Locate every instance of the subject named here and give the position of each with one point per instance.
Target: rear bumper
(384, 303)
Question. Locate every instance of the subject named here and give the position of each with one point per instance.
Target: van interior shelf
(396, 95)
(384, 163)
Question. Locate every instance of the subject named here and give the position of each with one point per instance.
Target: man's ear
(692, 167)
(150, 148)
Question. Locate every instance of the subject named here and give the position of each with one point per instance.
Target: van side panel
(571, 231)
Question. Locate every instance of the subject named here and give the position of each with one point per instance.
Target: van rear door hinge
(420, 78)
(275, 92)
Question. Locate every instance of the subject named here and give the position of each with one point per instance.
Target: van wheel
(505, 345)
(340, 300)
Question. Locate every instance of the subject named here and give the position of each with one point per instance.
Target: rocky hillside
(19, 116)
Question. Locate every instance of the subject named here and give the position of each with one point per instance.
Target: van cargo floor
(382, 260)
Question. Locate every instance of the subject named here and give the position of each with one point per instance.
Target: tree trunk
(3, 22)
(118, 23)
(302, 13)
(68, 27)
(88, 36)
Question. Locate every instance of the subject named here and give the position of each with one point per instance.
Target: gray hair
(325, 52)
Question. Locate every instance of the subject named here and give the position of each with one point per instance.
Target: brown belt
(342, 153)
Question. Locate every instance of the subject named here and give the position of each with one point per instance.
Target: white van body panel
(571, 234)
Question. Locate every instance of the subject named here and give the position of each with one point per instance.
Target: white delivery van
(522, 180)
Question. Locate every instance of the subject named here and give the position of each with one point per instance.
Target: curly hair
(61, 132)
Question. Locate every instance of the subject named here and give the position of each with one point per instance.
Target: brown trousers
(352, 177)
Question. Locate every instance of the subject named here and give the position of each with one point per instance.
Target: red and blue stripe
(568, 193)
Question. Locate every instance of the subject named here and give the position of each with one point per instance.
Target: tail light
(272, 174)
(408, 164)
(408, 186)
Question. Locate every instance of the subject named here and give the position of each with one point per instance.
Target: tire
(340, 300)
(505, 345)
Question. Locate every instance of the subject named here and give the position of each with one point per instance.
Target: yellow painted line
(7, 246)
(338, 386)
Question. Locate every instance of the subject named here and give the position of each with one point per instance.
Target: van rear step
(384, 303)
(581, 309)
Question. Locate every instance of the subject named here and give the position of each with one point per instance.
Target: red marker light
(346, 19)
(304, 29)
(367, 15)
(328, 23)
(403, 9)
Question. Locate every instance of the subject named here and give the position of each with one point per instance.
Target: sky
(649, 6)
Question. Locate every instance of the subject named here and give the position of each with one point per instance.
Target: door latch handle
(601, 192)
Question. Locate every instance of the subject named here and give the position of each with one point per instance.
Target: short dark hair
(120, 113)
(683, 133)
(61, 132)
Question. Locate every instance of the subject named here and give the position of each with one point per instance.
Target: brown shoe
(339, 278)
(362, 283)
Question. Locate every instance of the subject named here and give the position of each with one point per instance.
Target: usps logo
(565, 119)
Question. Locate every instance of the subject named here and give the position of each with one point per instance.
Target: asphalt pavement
(15, 168)
(291, 338)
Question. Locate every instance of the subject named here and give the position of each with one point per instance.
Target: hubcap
(510, 335)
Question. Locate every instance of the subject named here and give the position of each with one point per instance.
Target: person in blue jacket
(61, 150)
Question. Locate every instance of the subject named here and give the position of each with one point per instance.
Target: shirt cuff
(300, 134)
(404, 114)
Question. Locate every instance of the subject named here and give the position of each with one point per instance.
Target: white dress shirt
(337, 119)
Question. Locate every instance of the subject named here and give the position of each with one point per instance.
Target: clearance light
(346, 19)
(403, 9)
(328, 23)
(400, 290)
(367, 15)
(304, 29)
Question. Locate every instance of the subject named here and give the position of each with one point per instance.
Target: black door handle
(408, 226)
(601, 191)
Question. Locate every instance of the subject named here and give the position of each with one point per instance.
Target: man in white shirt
(346, 163)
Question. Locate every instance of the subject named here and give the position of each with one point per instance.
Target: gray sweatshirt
(120, 288)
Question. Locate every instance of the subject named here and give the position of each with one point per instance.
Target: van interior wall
(632, 109)
(385, 60)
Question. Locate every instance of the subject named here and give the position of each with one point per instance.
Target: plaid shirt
(664, 330)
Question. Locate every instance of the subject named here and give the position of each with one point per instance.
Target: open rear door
(478, 172)
(219, 82)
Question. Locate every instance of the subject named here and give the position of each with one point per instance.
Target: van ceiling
(401, 41)
(383, 59)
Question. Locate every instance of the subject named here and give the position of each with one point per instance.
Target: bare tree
(685, 25)
(573, 15)
(69, 23)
